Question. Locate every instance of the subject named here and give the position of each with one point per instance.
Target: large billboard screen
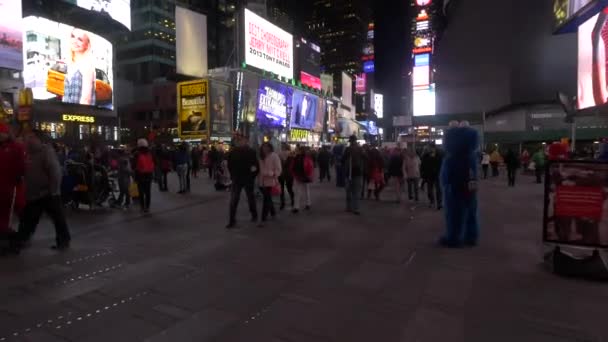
(220, 105)
(193, 109)
(564, 10)
(273, 98)
(11, 37)
(190, 42)
(64, 63)
(309, 63)
(592, 84)
(267, 47)
(576, 205)
(119, 10)
(303, 110)
(424, 101)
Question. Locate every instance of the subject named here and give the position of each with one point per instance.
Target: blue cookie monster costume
(458, 181)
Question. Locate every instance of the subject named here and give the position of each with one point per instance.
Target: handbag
(275, 190)
(133, 190)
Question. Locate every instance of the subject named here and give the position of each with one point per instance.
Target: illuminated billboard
(368, 67)
(67, 64)
(379, 105)
(309, 63)
(422, 59)
(361, 83)
(420, 76)
(592, 84)
(119, 10)
(423, 2)
(424, 101)
(11, 37)
(267, 47)
(564, 10)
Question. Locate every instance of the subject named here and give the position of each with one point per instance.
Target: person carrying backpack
(302, 169)
(353, 161)
(144, 171)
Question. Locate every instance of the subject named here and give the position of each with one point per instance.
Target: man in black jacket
(324, 160)
(430, 169)
(243, 166)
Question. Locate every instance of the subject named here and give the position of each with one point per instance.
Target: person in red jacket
(12, 159)
(302, 168)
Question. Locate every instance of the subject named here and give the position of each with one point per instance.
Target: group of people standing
(512, 162)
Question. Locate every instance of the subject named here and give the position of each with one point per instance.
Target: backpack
(299, 169)
(145, 163)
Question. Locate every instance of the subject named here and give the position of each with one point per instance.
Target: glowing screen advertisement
(267, 47)
(420, 76)
(119, 10)
(303, 110)
(422, 59)
(66, 64)
(424, 101)
(592, 84)
(273, 98)
(11, 37)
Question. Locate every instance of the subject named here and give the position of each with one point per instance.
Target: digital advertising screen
(321, 113)
(421, 76)
(564, 10)
(119, 10)
(267, 47)
(332, 116)
(361, 83)
(220, 105)
(327, 83)
(309, 63)
(424, 101)
(11, 36)
(273, 98)
(368, 67)
(379, 105)
(66, 64)
(592, 77)
(303, 110)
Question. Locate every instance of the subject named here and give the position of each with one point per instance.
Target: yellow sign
(193, 110)
(298, 135)
(78, 118)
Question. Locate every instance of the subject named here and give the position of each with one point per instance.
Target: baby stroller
(86, 184)
(113, 188)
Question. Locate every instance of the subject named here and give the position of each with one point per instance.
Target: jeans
(182, 172)
(539, 174)
(511, 176)
(353, 192)
(144, 183)
(235, 196)
(31, 216)
(302, 193)
(286, 183)
(434, 191)
(485, 167)
(324, 172)
(162, 181)
(268, 206)
(412, 188)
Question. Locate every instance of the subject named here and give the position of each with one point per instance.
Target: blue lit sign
(422, 59)
(368, 67)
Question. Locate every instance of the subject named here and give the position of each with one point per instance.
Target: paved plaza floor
(325, 275)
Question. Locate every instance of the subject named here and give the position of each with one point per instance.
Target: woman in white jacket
(270, 170)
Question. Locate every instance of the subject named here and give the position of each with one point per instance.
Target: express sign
(78, 118)
(267, 47)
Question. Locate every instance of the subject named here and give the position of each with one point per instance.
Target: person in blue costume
(459, 183)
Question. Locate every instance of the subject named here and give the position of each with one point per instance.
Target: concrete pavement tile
(372, 276)
(200, 327)
(173, 311)
(431, 325)
(449, 286)
(41, 336)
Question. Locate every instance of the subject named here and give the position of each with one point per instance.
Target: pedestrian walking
(43, 176)
(353, 163)
(196, 156)
(338, 152)
(214, 160)
(324, 159)
(303, 170)
(412, 173)
(539, 164)
(430, 168)
(286, 179)
(375, 166)
(165, 167)
(395, 171)
(125, 173)
(512, 163)
(485, 164)
(12, 159)
(144, 170)
(243, 167)
(180, 160)
(270, 169)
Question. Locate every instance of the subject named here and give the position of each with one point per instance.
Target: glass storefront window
(53, 129)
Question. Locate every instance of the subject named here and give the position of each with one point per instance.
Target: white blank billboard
(347, 90)
(424, 101)
(267, 47)
(190, 42)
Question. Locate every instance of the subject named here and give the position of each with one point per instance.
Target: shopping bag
(276, 190)
(133, 190)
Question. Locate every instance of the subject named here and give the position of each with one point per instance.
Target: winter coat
(411, 166)
(302, 168)
(124, 173)
(243, 165)
(270, 170)
(12, 160)
(430, 165)
(43, 173)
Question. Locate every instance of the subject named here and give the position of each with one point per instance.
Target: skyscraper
(340, 28)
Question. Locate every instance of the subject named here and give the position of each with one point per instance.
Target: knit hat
(142, 142)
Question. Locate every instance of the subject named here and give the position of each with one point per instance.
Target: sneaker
(231, 225)
(61, 246)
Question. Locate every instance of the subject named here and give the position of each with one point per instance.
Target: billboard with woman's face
(64, 63)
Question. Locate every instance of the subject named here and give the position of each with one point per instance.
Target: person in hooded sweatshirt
(144, 173)
(43, 176)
